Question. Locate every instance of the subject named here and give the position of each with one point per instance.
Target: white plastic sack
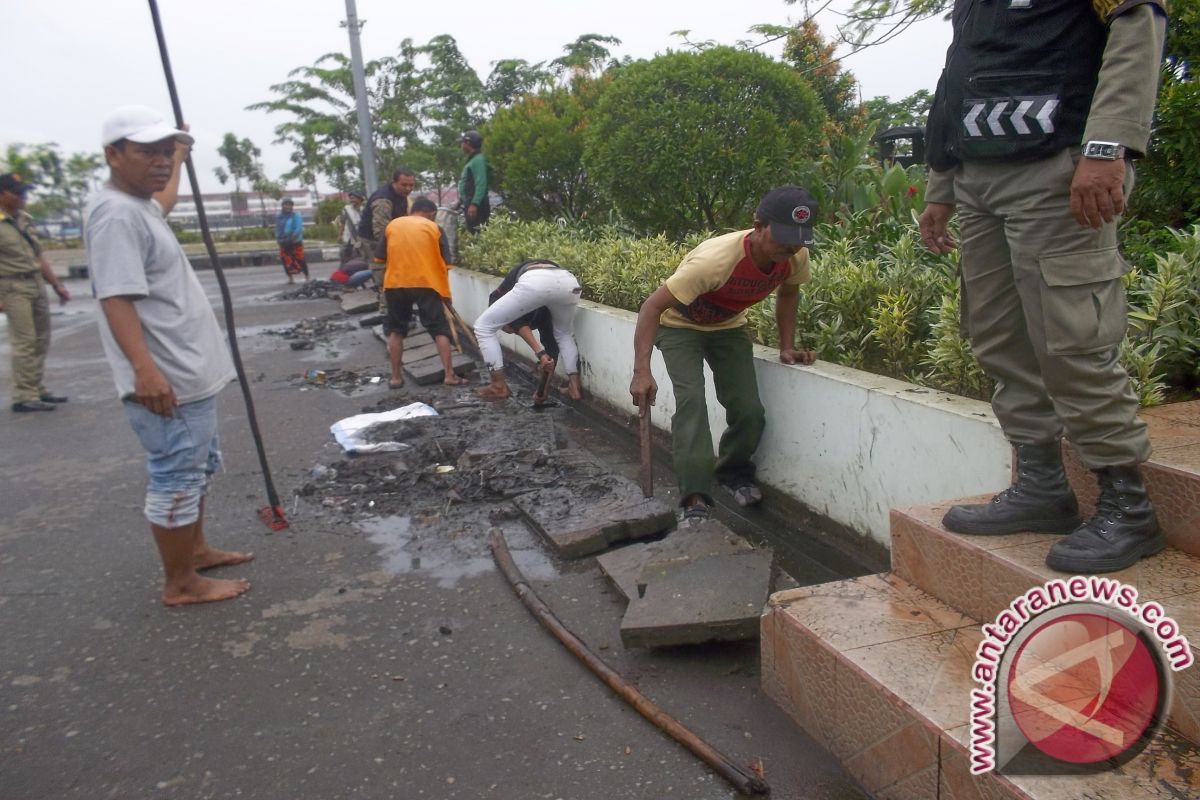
(349, 431)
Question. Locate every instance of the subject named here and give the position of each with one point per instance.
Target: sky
(70, 62)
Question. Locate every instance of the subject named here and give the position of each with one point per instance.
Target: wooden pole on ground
(740, 779)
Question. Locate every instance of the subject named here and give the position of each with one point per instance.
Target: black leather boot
(1040, 499)
(1123, 529)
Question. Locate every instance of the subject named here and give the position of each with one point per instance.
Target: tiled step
(981, 575)
(878, 671)
(1172, 474)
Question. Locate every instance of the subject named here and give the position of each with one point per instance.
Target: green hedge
(879, 301)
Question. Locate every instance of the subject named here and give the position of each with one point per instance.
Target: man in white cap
(160, 335)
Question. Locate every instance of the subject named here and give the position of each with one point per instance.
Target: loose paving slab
(419, 352)
(430, 370)
(719, 598)
(592, 516)
(359, 302)
(625, 566)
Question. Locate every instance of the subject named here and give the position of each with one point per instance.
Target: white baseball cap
(140, 124)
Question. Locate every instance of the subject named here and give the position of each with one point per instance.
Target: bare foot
(454, 380)
(203, 590)
(211, 558)
(574, 390)
(492, 392)
(396, 384)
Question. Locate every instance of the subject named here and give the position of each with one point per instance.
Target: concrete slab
(719, 598)
(594, 515)
(429, 370)
(359, 302)
(624, 567)
(419, 352)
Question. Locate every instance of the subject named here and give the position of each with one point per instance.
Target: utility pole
(360, 95)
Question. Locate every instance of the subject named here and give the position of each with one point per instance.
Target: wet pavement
(379, 654)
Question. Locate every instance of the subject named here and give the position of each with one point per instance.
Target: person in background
(388, 202)
(289, 233)
(1039, 186)
(473, 184)
(698, 316)
(168, 355)
(347, 226)
(24, 272)
(413, 250)
(534, 294)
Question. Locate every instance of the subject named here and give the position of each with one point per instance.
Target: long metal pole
(353, 26)
(272, 515)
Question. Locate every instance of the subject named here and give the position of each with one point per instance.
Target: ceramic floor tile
(1180, 413)
(879, 740)
(930, 673)
(868, 610)
(806, 671)
(931, 559)
(1166, 432)
(955, 781)
(1185, 458)
(1169, 769)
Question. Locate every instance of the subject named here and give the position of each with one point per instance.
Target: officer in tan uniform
(1039, 111)
(24, 272)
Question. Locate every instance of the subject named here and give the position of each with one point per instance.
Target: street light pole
(360, 95)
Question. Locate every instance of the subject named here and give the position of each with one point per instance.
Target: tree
(690, 141)
(911, 110)
(240, 156)
(585, 56)
(60, 186)
(536, 151)
(453, 102)
(813, 57)
(513, 78)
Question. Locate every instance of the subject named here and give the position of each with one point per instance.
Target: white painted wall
(846, 443)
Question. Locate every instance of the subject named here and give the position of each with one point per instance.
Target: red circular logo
(1084, 688)
(801, 214)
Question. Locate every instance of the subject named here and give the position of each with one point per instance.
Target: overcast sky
(69, 62)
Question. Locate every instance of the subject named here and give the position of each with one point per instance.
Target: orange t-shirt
(414, 260)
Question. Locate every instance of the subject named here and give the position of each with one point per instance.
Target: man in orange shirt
(414, 249)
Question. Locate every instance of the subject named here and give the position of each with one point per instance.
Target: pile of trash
(347, 381)
(313, 329)
(311, 290)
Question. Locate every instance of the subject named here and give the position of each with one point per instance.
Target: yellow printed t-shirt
(700, 281)
(414, 260)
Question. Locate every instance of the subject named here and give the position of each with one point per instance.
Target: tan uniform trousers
(1044, 307)
(24, 301)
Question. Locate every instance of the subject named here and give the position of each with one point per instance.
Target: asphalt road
(346, 672)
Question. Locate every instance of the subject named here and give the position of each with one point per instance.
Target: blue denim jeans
(181, 456)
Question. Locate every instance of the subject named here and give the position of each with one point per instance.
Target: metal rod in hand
(273, 514)
(740, 779)
(646, 471)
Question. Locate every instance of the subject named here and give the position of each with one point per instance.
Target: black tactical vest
(399, 209)
(1018, 82)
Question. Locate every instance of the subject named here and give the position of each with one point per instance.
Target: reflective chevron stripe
(1031, 116)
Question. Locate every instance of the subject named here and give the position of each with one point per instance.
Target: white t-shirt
(132, 252)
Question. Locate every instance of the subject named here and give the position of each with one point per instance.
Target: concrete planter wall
(848, 444)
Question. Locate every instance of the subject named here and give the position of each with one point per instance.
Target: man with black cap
(23, 274)
(698, 316)
(473, 185)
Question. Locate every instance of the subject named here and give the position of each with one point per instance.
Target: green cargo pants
(730, 356)
(1044, 307)
(24, 302)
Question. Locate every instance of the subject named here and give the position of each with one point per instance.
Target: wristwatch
(1104, 151)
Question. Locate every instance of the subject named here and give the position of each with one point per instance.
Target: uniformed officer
(1041, 107)
(24, 271)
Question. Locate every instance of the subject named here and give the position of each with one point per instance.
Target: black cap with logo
(790, 212)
